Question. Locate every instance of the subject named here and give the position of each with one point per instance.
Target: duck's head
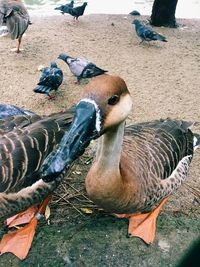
(105, 103)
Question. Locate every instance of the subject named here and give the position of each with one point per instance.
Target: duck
(136, 167)
(81, 67)
(25, 141)
(15, 16)
(146, 33)
(7, 110)
(50, 80)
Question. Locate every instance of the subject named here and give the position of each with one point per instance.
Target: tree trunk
(163, 13)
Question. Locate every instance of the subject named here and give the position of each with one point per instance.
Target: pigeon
(65, 8)
(77, 11)
(146, 33)
(134, 13)
(14, 15)
(51, 78)
(81, 67)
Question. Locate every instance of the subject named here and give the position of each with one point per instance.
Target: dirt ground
(163, 79)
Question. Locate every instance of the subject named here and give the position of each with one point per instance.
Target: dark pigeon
(51, 78)
(11, 110)
(81, 67)
(146, 33)
(65, 8)
(134, 13)
(78, 11)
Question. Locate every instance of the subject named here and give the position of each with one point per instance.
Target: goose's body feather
(25, 141)
(15, 16)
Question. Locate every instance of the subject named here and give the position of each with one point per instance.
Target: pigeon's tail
(161, 37)
(99, 71)
(59, 8)
(42, 89)
(196, 141)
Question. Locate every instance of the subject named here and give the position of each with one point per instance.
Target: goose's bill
(73, 143)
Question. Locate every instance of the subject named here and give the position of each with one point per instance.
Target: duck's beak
(73, 143)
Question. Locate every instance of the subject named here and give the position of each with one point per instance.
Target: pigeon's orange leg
(143, 225)
(19, 242)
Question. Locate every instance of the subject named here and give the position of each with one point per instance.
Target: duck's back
(15, 16)
(153, 152)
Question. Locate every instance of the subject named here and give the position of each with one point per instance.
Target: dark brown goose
(136, 167)
(25, 142)
(15, 16)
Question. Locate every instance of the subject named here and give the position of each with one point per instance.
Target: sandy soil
(163, 78)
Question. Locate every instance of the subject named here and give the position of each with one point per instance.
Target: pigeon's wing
(91, 70)
(45, 78)
(57, 77)
(77, 65)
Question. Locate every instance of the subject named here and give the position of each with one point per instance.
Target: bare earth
(163, 79)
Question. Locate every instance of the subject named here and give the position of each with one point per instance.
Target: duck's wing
(15, 16)
(160, 145)
(18, 121)
(22, 151)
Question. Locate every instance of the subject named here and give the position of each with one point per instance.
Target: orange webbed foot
(19, 242)
(144, 225)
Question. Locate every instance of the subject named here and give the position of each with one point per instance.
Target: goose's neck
(109, 148)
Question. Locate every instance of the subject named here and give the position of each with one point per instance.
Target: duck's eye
(113, 100)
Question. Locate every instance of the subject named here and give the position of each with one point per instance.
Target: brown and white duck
(136, 167)
(25, 142)
(15, 16)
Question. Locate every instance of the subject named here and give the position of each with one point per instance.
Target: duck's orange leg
(143, 225)
(22, 218)
(19, 242)
(17, 49)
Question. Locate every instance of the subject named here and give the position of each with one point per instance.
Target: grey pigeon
(81, 67)
(78, 11)
(65, 8)
(146, 33)
(51, 78)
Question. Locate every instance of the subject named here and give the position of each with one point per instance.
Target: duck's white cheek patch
(98, 116)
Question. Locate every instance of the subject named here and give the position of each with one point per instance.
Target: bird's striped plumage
(25, 141)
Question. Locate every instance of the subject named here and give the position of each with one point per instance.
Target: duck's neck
(109, 148)
(104, 182)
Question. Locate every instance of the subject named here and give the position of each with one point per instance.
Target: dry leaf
(47, 212)
(87, 210)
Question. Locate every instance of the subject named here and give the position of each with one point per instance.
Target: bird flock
(136, 167)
